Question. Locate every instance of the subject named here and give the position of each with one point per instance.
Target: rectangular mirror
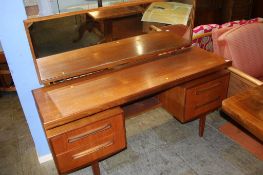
(79, 43)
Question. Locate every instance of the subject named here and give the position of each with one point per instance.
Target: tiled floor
(157, 144)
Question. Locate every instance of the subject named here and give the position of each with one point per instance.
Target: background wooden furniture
(6, 82)
(238, 9)
(246, 109)
(221, 11)
(257, 10)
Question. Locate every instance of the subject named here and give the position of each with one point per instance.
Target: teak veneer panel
(102, 56)
(247, 109)
(60, 104)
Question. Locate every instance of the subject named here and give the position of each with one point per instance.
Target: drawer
(205, 97)
(91, 132)
(89, 153)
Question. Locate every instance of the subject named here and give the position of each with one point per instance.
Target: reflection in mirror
(73, 32)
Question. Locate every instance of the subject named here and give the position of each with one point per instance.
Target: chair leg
(202, 125)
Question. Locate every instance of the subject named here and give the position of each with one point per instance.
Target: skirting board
(45, 158)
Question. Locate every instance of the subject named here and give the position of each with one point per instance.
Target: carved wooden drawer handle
(92, 150)
(207, 103)
(88, 133)
(200, 91)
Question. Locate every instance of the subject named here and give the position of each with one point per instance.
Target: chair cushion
(244, 46)
(218, 47)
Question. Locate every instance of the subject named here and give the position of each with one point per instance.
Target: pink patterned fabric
(244, 46)
(206, 42)
(241, 22)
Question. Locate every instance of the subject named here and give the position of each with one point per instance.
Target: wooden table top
(107, 55)
(66, 102)
(247, 109)
(115, 12)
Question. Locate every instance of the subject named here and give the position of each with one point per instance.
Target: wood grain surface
(247, 109)
(65, 102)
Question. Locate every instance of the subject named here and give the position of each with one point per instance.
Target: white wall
(19, 58)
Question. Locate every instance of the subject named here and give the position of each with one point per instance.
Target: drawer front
(88, 134)
(89, 153)
(205, 97)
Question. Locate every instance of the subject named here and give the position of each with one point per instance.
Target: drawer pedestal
(88, 140)
(196, 98)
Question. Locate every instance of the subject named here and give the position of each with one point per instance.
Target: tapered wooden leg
(202, 125)
(96, 168)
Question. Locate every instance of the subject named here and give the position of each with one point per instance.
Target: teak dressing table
(83, 119)
(81, 104)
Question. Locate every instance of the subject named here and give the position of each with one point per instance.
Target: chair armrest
(240, 81)
(245, 76)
